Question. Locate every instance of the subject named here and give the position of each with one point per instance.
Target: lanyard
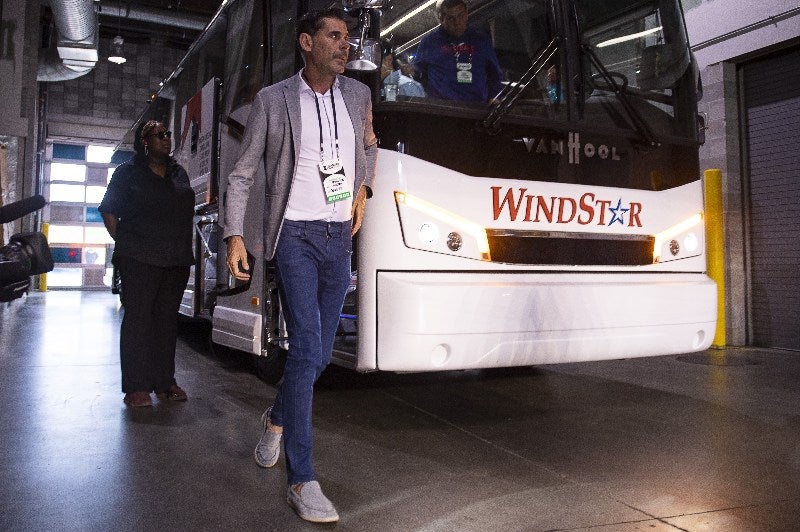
(335, 124)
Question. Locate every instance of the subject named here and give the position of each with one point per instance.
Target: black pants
(151, 297)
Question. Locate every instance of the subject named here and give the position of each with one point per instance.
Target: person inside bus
(394, 82)
(455, 62)
(317, 185)
(148, 209)
(553, 88)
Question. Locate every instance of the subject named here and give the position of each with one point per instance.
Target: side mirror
(701, 128)
(698, 85)
(365, 54)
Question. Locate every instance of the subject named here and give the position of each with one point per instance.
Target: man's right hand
(237, 254)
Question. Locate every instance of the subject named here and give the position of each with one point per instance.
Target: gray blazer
(272, 138)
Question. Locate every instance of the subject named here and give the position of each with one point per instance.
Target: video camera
(25, 254)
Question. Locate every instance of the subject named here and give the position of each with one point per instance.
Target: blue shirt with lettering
(440, 56)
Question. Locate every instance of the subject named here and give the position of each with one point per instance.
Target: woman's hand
(110, 221)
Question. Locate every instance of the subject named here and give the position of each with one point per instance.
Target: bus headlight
(423, 223)
(429, 233)
(454, 241)
(680, 241)
(690, 242)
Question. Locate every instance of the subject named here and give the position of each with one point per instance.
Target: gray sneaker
(268, 448)
(311, 504)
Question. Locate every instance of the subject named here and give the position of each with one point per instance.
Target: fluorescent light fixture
(407, 16)
(632, 36)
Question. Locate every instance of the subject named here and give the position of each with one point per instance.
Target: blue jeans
(313, 270)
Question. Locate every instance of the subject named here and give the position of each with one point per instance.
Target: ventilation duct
(76, 46)
(52, 68)
(77, 26)
(153, 15)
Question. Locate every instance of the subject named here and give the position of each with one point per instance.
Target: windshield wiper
(648, 139)
(508, 96)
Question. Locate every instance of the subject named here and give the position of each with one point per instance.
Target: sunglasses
(162, 135)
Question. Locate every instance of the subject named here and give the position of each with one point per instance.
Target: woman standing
(148, 209)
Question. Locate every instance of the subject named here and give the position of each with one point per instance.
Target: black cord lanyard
(335, 124)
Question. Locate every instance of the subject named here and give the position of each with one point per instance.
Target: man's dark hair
(447, 4)
(312, 22)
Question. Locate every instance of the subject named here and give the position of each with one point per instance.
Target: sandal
(138, 399)
(175, 393)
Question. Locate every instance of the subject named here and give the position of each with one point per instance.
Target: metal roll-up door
(771, 89)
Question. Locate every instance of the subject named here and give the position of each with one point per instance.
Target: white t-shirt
(307, 198)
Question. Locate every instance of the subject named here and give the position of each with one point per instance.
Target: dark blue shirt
(155, 213)
(436, 63)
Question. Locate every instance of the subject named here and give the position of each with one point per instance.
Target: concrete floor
(708, 441)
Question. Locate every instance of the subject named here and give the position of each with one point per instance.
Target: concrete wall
(19, 34)
(722, 150)
(723, 34)
(720, 30)
(99, 106)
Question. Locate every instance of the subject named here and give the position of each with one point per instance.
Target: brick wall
(111, 96)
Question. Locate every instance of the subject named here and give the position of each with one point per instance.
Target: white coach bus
(561, 222)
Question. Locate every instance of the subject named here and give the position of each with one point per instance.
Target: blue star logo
(618, 213)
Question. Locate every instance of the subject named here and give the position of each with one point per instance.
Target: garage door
(772, 118)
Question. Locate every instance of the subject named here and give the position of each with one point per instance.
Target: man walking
(313, 134)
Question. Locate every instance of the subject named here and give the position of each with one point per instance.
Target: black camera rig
(25, 254)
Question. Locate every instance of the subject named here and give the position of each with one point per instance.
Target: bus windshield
(468, 62)
(593, 92)
(636, 52)
(630, 50)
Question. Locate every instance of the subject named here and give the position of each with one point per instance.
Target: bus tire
(269, 368)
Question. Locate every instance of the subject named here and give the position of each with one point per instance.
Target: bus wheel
(269, 368)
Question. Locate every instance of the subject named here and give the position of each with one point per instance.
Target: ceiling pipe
(52, 68)
(77, 42)
(76, 22)
(163, 17)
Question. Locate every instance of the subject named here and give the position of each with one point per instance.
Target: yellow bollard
(715, 246)
(43, 276)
